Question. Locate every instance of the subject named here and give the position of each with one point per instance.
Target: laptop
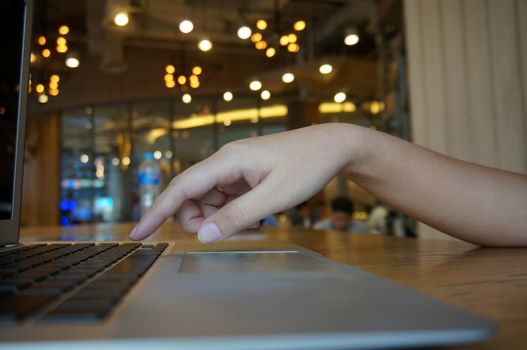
(231, 295)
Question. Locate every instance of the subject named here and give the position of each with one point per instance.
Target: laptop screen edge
(9, 228)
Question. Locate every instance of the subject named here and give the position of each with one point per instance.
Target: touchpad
(250, 261)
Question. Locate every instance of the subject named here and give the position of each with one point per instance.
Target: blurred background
(122, 87)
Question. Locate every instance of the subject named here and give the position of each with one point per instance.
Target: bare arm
(252, 178)
(478, 204)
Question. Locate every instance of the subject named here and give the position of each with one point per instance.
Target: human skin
(249, 179)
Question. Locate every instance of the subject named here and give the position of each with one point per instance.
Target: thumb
(239, 214)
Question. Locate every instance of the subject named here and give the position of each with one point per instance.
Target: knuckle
(236, 216)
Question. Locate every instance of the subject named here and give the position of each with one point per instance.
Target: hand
(248, 180)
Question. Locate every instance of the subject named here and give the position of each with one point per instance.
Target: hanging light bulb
(43, 98)
(244, 32)
(299, 25)
(63, 30)
(256, 37)
(170, 69)
(186, 26)
(261, 24)
(205, 45)
(42, 40)
(196, 70)
(270, 52)
(261, 45)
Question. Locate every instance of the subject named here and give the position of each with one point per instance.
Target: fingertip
(209, 233)
(135, 234)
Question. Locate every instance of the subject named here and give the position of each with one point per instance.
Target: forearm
(474, 203)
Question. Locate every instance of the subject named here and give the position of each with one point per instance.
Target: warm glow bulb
(186, 98)
(293, 47)
(169, 77)
(43, 98)
(339, 97)
(244, 32)
(205, 45)
(228, 96)
(54, 78)
(351, 39)
(194, 84)
(288, 77)
(186, 26)
(42, 40)
(61, 48)
(261, 45)
(270, 52)
(61, 41)
(39, 88)
(170, 84)
(256, 37)
(325, 68)
(181, 80)
(265, 95)
(284, 40)
(261, 24)
(170, 69)
(196, 70)
(299, 25)
(121, 18)
(255, 85)
(32, 57)
(46, 53)
(292, 38)
(63, 30)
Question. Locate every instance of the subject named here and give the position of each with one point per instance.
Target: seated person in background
(303, 216)
(341, 218)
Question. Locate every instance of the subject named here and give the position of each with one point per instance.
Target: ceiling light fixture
(121, 19)
(325, 68)
(72, 60)
(265, 95)
(228, 96)
(186, 26)
(205, 45)
(255, 85)
(351, 37)
(244, 32)
(186, 98)
(288, 77)
(339, 97)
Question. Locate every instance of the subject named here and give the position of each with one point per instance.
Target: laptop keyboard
(70, 282)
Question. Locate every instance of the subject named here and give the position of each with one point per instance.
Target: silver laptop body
(251, 294)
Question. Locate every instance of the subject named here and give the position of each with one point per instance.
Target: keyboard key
(19, 307)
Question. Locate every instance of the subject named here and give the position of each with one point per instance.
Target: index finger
(192, 183)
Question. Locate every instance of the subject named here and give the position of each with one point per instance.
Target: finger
(241, 213)
(190, 217)
(210, 202)
(192, 183)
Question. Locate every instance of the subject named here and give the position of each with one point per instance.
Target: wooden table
(488, 281)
